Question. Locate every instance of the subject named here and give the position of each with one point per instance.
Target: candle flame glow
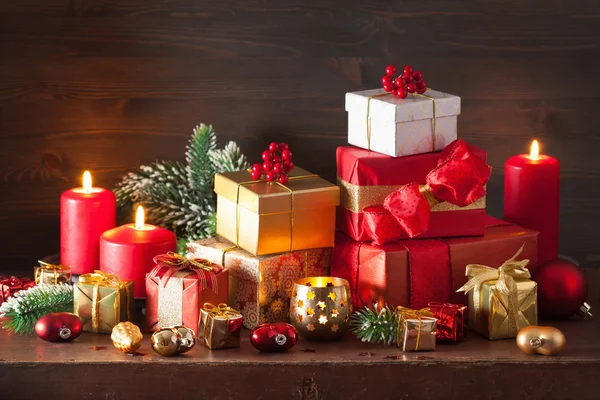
(534, 154)
(87, 182)
(139, 218)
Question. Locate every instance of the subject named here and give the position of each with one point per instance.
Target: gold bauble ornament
(126, 337)
(545, 340)
(172, 341)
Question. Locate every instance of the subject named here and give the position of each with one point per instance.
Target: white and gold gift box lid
(387, 124)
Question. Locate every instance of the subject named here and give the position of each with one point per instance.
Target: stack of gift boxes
(410, 210)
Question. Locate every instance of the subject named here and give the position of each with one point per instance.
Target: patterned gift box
(261, 286)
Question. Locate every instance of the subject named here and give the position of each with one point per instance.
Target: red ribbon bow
(459, 179)
(169, 264)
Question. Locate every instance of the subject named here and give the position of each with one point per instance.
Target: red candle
(531, 198)
(127, 251)
(85, 213)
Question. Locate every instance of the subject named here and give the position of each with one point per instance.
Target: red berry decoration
(59, 327)
(410, 81)
(390, 70)
(283, 179)
(276, 166)
(562, 289)
(271, 338)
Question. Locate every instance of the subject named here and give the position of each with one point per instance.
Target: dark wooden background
(107, 85)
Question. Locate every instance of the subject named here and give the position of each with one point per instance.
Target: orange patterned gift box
(260, 287)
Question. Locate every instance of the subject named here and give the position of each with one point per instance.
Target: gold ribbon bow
(222, 310)
(54, 268)
(505, 276)
(100, 278)
(408, 313)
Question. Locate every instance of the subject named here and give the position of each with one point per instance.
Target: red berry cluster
(277, 164)
(409, 82)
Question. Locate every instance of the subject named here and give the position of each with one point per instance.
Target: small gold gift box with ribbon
(501, 301)
(52, 274)
(416, 329)
(102, 300)
(219, 326)
(268, 218)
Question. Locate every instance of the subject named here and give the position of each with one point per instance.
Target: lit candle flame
(534, 154)
(139, 218)
(87, 182)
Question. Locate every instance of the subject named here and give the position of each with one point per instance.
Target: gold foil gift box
(416, 329)
(219, 326)
(101, 300)
(501, 301)
(261, 286)
(52, 274)
(268, 218)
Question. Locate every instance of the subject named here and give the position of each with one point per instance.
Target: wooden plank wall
(109, 84)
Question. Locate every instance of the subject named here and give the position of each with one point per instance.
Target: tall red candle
(531, 198)
(127, 251)
(85, 213)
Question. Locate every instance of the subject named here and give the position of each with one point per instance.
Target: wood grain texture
(106, 85)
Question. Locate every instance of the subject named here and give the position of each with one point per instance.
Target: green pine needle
(375, 325)
(180, 197)
(20, 313)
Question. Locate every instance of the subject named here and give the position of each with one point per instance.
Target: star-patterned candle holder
(320, 307)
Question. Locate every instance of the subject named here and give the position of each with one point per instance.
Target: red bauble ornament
(278, 168)
(390, 70)
(286, 155)
(270, 176)
(401, 92)
(283, 146)
(562, 289)
(257, 167)
(388, 87)
(386, 80)
(271, 338)
(267, 166)
(417, 75)
(288, 165)
(59, 327)
(411, 87)
(267, 155)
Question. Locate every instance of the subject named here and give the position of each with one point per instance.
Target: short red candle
(531, 198)
(85, 213)
(127, 251)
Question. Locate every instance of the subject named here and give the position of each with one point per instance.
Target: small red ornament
(283, 146)
(271, 338)
(410, 81)
(288, 165)
(257, 167)
(273, 146)
(59, 327)
(270, 176)
(267, 155)
(390, 70)
(278, 168)
(277, 163)
(286, 155)
(562, 289)
(267, 166)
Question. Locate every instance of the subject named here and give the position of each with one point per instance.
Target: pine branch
(200, 169)
(375, 325)
(230, 158)
(20, 312)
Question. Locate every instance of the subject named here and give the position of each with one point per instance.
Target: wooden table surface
(474, 369)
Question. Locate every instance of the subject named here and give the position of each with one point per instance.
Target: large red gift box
(412, 273)
(366, 178)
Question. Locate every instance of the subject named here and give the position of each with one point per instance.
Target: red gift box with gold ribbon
(413, 273)
(372, 184)
(12, 285)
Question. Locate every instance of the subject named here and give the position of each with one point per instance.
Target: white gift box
(400, 127)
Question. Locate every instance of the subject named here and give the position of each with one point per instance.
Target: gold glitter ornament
(126, 337)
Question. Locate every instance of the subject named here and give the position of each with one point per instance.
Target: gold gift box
(493, 321)
(220, 330)
(268, 218)
(261, 286)
(51, 274)
(417, 334)
(102, 301)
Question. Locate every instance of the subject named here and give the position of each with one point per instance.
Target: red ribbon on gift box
(458, 179)
(12, 285)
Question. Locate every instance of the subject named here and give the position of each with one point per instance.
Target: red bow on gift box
(12, 285)
(458, 179)
(169, 264)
